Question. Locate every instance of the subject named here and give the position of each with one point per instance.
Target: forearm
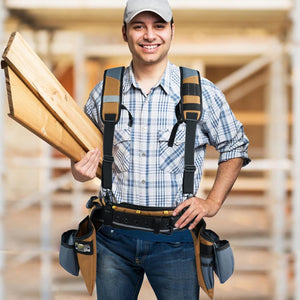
(197, 208)
(227, 174)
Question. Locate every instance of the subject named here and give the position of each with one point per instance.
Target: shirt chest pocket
(171, 159)
(121, 150)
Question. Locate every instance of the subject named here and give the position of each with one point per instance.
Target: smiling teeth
(150, 47)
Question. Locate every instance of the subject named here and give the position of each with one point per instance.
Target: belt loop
(156, 224)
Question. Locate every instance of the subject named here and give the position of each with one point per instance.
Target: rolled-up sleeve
(224, 131)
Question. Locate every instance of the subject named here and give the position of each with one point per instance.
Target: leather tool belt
(78, 247)
(129, 216)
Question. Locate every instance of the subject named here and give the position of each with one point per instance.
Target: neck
(148, 75)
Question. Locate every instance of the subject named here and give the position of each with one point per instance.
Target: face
(149, 38)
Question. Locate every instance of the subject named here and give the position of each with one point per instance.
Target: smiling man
(148, 173)
(149, 39)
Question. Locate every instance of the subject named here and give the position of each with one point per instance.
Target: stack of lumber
(41, 104)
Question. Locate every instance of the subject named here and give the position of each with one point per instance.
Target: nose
(149, 34)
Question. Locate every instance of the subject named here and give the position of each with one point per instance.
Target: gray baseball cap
(160, 7)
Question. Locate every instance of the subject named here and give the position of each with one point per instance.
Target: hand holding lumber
(41, 104)
(86, 168)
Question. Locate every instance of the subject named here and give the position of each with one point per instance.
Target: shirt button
(143, 181)
(144, 154)
(145, 128)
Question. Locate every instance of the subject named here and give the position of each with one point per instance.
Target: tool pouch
(212, 255)
(224, 261)
(85, 247)
(67, 255)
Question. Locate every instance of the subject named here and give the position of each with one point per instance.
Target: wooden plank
(27, 110)
(39, 79)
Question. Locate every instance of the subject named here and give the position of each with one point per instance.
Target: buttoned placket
(143, 141)
(140, 146)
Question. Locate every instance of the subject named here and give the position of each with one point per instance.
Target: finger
(91, 165)
(185, 219)
(195, 222)
(84, 160)
(87, 165)
(92, 170)
(181, 206)
(95, 156)
(92, 158)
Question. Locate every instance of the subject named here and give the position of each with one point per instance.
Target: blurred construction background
(250, 49)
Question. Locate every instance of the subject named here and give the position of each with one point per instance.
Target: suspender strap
(191, 101)
(189, 167)
(191, 93)
(111, 101)
(111, 104)
(109, 129)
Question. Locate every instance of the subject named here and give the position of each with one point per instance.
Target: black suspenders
(111, 103)
(188, 110)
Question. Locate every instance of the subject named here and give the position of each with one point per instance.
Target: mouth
(150, 47)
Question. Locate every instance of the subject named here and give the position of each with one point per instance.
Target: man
(144, 174)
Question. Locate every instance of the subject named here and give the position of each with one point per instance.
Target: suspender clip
(190, 169)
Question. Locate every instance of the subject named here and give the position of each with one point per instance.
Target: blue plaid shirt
(145, 170)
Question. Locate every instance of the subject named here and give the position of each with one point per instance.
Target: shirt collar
(129, 79)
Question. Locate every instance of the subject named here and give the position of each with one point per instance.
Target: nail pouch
(67, 254)
(85, 246)
(204, 259)
(224, 260)
(207, 259)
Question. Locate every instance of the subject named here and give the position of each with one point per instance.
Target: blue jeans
(123, 260)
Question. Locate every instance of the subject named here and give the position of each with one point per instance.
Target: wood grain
(44, 85)
(41, 104)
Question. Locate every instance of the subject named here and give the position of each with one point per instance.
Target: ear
(124, 33)
(172, 30)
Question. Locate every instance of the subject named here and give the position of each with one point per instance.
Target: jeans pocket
(175, 244)
(107, 231)
(224, 260)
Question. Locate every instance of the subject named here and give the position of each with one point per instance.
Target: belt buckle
(158, 222)
(172, 221)
(171, 229)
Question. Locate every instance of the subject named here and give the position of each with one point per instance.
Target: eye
(137, 27)
(160, 26)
